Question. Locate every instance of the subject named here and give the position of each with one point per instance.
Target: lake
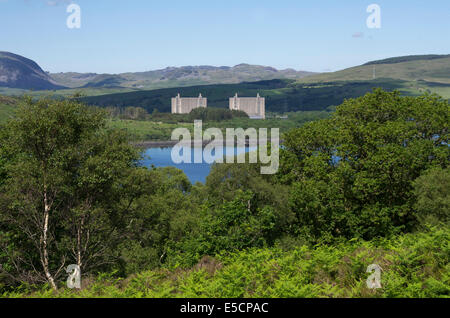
(196, 172)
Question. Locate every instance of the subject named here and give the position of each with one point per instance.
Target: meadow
(155, 129)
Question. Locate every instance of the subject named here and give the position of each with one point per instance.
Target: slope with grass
(412, 75)
(427, 68)
(281, 95)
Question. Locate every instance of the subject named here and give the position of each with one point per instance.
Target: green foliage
(349, 187)
(413, 265)
(6, 112)
(215, 114)
(432, 190)
(352, 174)
(234, 225)
(62, 172)
(158, 213)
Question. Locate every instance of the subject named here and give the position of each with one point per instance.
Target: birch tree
(59, 186)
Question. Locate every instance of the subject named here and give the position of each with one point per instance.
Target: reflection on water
(161, 157)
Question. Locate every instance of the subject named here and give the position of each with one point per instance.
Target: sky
(117, 36)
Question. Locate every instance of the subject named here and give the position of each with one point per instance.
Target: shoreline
(171, 143)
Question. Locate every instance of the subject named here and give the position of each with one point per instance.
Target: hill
(408, 58)
(285, 90)
(281, 95)
(412, 75)
(427, 68)
(178, 77)
(19, 72)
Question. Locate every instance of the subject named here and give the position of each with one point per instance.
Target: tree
(62, 177)
(432, 190)
(352, 174)
(159, 212)
(231, 226)
(226, 181)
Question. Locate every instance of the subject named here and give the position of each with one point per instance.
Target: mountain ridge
(179, 76)
(20, 72)
(23, 73)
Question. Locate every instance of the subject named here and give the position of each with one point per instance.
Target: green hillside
(428, 68)
(412, 75)
(281, 95)
(408, 58)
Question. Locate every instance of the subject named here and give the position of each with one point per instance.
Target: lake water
(196, 172)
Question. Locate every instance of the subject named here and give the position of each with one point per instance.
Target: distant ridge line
(408, 58)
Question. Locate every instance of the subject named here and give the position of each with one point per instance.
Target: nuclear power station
(184, 105)
(254, 107)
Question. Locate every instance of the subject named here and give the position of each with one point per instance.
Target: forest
(367, 184)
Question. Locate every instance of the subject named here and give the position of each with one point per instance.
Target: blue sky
(140, 35)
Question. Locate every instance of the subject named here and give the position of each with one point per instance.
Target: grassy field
(437, 88)
(160, 131)
(147, 130)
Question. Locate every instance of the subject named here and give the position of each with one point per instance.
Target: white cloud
(357, 35)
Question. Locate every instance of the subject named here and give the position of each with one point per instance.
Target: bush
(413, 265)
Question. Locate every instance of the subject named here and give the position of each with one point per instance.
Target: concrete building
(255, 107)
(184, 105)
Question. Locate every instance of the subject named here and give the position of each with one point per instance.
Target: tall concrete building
(255, 107)
(184, 105)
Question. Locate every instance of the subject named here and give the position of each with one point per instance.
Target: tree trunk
(79, 243)
(44, 242)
